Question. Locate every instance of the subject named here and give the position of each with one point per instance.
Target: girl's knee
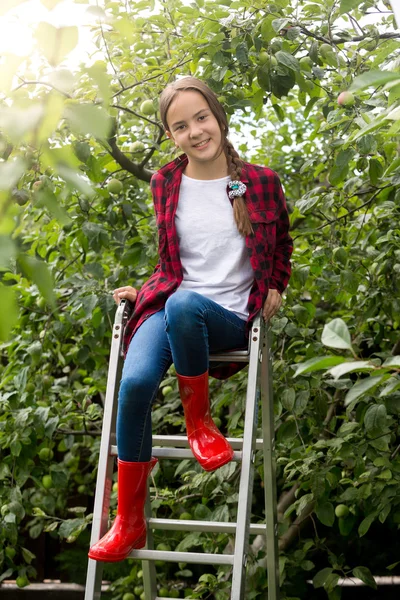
(181, 304)
(135, 391)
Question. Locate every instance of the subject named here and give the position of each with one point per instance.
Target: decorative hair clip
(238, 189)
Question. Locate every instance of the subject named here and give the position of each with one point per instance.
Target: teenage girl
(224, 255)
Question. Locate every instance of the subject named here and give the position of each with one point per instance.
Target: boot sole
(138, 544)
(209, 466)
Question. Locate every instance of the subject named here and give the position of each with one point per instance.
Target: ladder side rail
(148, 566)
(247, 471)
(106, 461)
(270, 491)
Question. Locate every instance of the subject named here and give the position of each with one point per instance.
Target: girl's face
(190, 121)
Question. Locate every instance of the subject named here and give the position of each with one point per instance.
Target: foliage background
(66, 242)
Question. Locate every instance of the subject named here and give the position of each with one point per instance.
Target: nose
(195, 132)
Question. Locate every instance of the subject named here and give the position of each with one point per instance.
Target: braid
(240, 212)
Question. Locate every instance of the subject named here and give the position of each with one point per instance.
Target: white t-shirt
(213, 254)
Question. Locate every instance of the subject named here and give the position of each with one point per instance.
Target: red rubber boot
(129, 528)
(208, 444)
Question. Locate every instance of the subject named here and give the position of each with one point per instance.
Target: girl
(224, 255)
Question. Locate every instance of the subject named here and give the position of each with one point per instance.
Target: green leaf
(7, 5)
(348, 5)
(375, 419)
(279, 24)
(366, 524)
(56, 42)
(242, 54)
(373, 78)
(362, 387)
(50, 4)
(38, 272)
(10, 173)
(287, 398)
(71, 526)
(75, 181)
(349, 367)
(375, 170)
(321, 577)
(394, 94)
(301, 402)
(9, 571)
(17, 122)
(28, 555)
(267, 30)
(336, 335)
(48, 199)
(365, 575)
(288, 60)
(8, 313)
(393, 361)
(338, 174)
(89, 119)
(326, 513)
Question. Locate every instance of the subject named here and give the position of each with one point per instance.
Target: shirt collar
(174, 169)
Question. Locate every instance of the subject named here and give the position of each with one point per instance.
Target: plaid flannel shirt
(269, 247)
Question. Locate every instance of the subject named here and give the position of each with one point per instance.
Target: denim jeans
(183, 332)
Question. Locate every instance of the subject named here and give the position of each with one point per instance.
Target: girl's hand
(125, 293)
(272, 304)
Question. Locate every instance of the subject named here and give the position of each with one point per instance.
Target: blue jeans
(183, 332)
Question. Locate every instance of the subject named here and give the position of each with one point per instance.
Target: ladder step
(203, 526)
(176, 453)
(238, 356)
(181, 441)
(189, 557)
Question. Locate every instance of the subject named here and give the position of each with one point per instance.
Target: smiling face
(190, 121)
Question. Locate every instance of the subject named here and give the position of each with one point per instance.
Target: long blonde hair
(234, 162)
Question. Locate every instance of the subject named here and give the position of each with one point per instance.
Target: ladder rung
(189, 557)
(181, 441)
(238, 356)
(176, 453)
(203, 526)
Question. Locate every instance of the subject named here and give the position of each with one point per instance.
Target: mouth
(203, 144)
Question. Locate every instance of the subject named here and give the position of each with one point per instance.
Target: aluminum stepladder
(259, 386)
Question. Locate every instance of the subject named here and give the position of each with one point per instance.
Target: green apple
(167, 390)
(263, 58)
(325, 50)
(115, 186)
(21, 197)
(47, 482)
(10, 552)
(342, 510)
(306, 63)
(346, 99)
(22, 581)
(128, 596)
(138, 589)
(37, 185)
(136, 147)
(147, 108)
(46, 454)
(186, 516)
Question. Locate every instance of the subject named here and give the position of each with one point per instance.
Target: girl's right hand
(125, 293)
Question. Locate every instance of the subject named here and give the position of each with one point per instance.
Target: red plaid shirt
(269, 248)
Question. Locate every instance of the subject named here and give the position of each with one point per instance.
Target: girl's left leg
(195, 327)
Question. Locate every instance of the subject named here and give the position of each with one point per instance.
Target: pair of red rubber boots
(209, 447)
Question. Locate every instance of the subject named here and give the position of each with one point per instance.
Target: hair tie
(238, 189)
